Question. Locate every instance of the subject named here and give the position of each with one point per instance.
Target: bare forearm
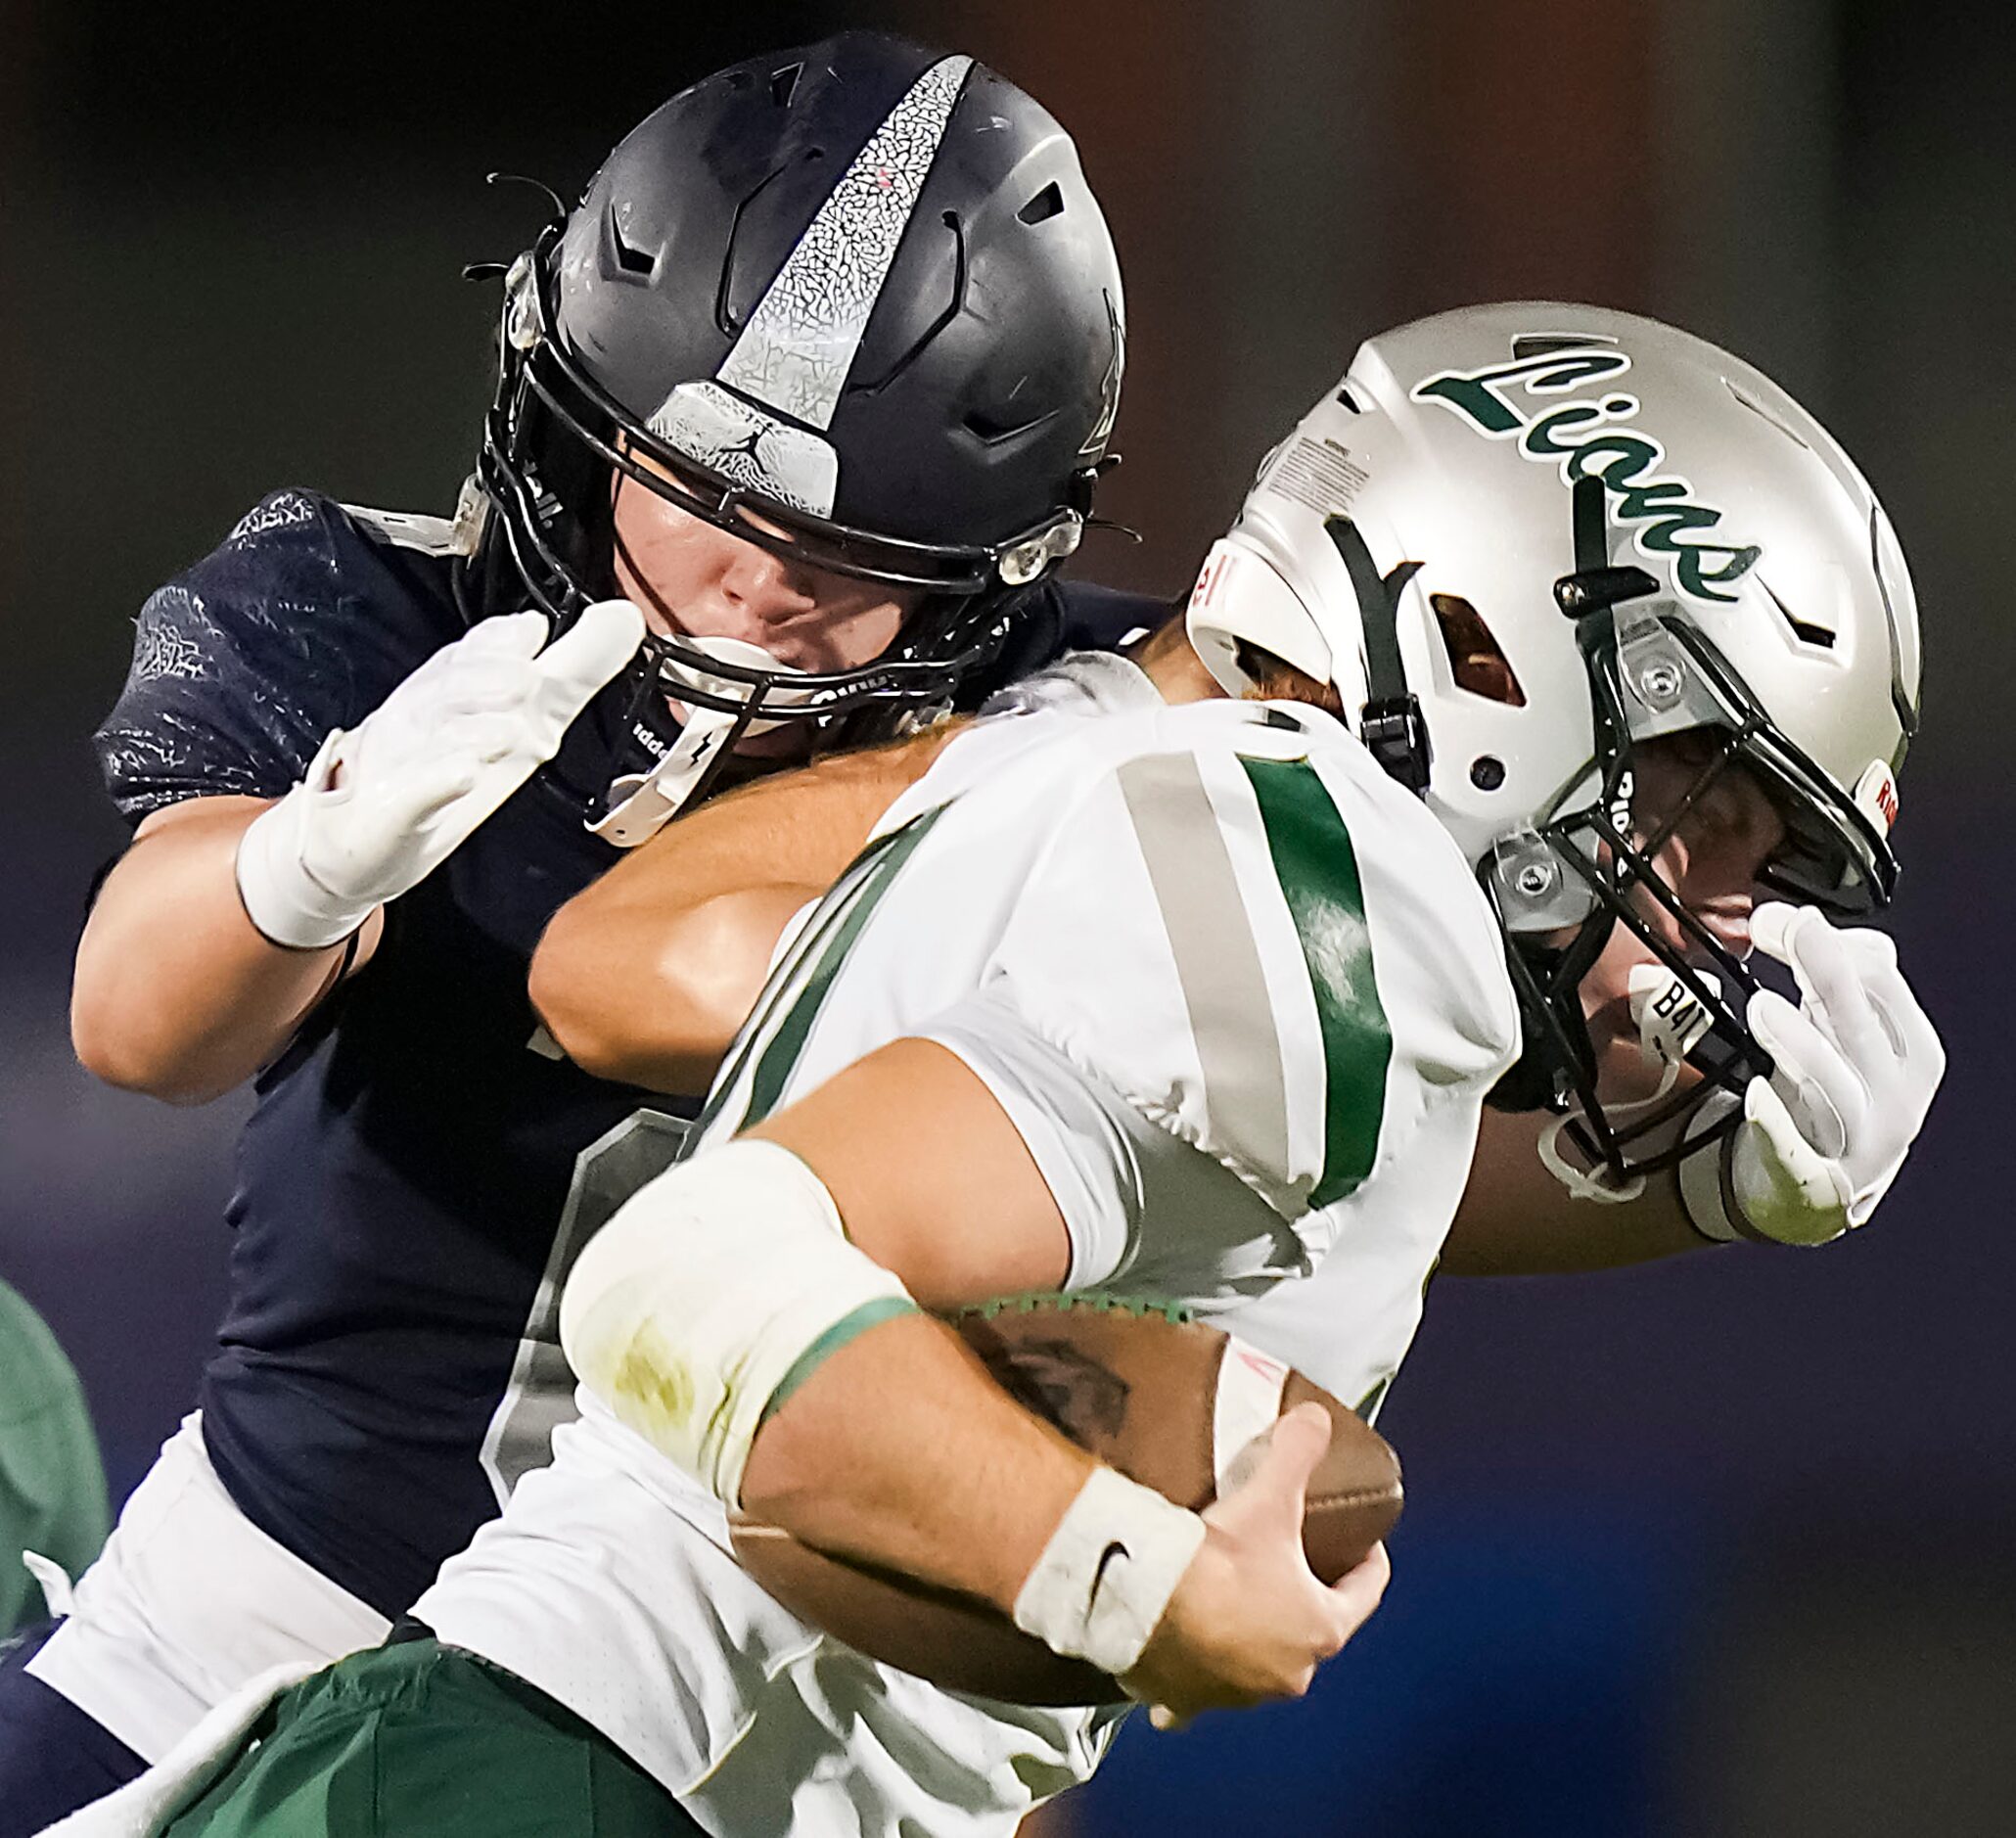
(176, 994)
(901, 1450)
(1517, 1220)
(801, 827)
(898, 1449)
(695, 912)
(674, 988)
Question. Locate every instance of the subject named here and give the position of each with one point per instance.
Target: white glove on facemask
(385, 803)
(1858, 1064)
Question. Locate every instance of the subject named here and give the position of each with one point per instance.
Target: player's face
(1713, 858)
(690, 576)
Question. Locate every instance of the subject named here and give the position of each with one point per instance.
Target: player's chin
(1625, 1074)
(784, 745)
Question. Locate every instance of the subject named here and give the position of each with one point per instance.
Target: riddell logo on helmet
(1586, 440)
(1876, 795)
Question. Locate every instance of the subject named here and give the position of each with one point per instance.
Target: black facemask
(1562, 888)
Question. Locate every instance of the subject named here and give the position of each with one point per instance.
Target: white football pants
(189, 1600)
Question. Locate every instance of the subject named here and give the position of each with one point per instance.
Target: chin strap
(1672, 1020)
(643, 803)
(1390, 724)
(1584, 1183)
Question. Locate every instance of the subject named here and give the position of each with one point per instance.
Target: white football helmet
(1523, 538)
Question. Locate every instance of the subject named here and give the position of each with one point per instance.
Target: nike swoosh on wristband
(1112, 1550)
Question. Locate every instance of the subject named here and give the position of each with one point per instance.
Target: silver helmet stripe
(800, 343)
(801, 340)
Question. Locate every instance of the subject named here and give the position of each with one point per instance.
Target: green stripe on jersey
(1318, 872)
(873, 871)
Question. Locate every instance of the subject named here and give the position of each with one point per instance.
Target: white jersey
(1242, 998)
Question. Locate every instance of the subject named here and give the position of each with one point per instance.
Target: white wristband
(280, 896)
(1107, 1572)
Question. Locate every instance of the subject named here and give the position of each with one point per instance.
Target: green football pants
(418, 1740)
(52, 1489)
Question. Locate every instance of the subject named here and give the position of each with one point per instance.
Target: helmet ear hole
(1477, 660)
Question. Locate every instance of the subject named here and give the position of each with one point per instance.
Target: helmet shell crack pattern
(738, 442)
(800, 341)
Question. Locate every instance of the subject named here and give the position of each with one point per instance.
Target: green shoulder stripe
(1318, 872)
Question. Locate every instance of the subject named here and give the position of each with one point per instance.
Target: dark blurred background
(1718, 1547)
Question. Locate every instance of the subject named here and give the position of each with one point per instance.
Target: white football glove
(1858, 1064)
(385, 803)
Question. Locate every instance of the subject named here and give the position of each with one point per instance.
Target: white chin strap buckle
(645, 801)
(642, 802)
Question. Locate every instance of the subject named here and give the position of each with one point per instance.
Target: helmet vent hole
(1476, 659)
(1805, 630)
(1046, 205)
(867, 382)
(1543, 344)
(995, 428)
(784, 84)
(1745, 399)
(629, 258)
(1346, 400)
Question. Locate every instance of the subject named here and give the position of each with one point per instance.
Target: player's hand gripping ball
(1169, 1402)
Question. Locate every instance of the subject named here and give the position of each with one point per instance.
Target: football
(1169, 1401)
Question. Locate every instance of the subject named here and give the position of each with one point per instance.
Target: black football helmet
(859, 289)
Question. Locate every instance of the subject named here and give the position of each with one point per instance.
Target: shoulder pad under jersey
(1251, 932)
(303, 620)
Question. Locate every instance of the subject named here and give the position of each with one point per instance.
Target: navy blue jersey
(420, 1167)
